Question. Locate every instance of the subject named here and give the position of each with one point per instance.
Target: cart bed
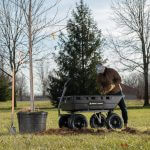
(89, 103)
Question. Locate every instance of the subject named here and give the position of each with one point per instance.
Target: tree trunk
(43, 93)
(30, 56)
(20, 95)
(146, 96)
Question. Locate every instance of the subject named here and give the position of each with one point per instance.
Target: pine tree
(80, 51)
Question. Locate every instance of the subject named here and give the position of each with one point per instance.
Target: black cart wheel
(114, 121)
(97, 121)
(63, 121)
(77, 121)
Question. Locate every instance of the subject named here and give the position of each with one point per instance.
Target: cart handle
(64, 91)
(66, 83)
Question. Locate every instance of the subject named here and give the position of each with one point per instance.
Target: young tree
(24, 23)
(37, 24)
(133, 17)
(80, 51)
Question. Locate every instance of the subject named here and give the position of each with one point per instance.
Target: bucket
(31, 122)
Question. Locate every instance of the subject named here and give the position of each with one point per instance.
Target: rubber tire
(77, 121)
(63, 121)
(94, 123)
(114, 122)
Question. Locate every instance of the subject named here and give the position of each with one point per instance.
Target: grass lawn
(139, 118)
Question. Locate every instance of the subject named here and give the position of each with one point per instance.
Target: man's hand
(104, 91)
(112, 87)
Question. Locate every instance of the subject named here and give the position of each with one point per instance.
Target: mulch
(66, 131)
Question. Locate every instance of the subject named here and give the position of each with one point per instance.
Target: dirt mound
(135, 131)
(65, 131)
(131, 130)
(147, 132)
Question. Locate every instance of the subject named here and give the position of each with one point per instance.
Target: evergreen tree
(5, 88)
(54, 89)
(80, 51)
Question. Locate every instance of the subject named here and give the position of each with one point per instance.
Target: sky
(101, 12)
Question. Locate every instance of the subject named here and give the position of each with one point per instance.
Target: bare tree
(21, 86)
(133, 18)
(42, 72)
(12, 37)
(131, 80)
(38, 24)
(136, 81)
(2, 69)
(24, 24)
(1, 64)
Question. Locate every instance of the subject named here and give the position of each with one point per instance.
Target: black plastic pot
(31, 122)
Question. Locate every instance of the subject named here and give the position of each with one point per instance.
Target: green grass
(139, 118)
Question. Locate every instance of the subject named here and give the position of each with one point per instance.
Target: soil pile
(131, 130)
(147, 132)
(65, 131)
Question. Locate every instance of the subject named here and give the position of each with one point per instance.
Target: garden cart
(98, 104)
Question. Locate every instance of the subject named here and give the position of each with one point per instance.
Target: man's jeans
(123, 107)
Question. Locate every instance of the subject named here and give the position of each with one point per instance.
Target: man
(108, 81)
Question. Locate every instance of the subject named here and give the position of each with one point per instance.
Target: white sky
(101, 11)
(102, 14)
